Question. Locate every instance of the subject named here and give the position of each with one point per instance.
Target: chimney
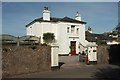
(89, 29)
(77, 16)
(46, 14)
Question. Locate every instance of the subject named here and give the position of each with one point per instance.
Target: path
(71, 62)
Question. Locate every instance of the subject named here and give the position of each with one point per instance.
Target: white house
(69, 33)
(112, 43)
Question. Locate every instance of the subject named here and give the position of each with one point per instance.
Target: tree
(48, 37)
(117, 29)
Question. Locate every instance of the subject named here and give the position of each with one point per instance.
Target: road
(72, 68)
(88, 71)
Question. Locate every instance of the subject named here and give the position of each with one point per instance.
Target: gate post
(18, 41)
(54, 56)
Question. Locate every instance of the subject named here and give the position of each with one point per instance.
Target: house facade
(69, 33)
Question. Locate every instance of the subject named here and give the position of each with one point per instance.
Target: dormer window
(72, 29)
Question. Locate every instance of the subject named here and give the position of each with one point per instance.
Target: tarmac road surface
(87, 71)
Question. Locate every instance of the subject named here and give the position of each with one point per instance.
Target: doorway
(73, 47)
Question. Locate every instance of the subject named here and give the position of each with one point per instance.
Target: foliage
(48, 37)
(118, 39)
(101, 43)
(33, 47)
(117, 29)
(111, 33)
(44, 44)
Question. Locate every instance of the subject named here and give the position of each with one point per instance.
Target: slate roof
(92, 37)
(52, 19)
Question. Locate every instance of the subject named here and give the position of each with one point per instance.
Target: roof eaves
(31, 23)
(67, 19)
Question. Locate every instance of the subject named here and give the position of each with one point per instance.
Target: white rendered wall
(54, 55)
(92, 56)
(34, 29)
(49, 27)
(60, 31)
(46, 27)
(82, 34)
(63, 39)
(37, 29)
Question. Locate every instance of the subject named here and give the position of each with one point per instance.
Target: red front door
(73, 47)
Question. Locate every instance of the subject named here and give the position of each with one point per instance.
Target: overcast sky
(101, 16)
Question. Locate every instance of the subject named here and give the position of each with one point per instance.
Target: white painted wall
(60, 30)
(63, 39)
(82, 34)
(37, 29)
(113, 43)
(92, 56)
(34, 29)
(54, 55)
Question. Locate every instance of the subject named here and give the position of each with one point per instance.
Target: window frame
(77, 30)
(72, 29)
(68, 29)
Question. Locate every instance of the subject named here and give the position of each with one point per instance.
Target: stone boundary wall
(108, 54)
(103, 54)
(24, 59)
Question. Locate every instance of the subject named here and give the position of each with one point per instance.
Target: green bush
(48, 37)
(44, 44)
(101, 43)
(33, 47)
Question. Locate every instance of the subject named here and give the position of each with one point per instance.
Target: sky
(100, 16)
(119, 12)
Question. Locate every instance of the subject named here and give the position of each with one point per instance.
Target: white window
(77, 31)
(68, 29)
(72, 29)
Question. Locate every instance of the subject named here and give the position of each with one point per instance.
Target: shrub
(48, 38)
